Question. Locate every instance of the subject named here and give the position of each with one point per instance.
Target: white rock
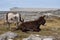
(10, 39)
(48, 39)
(8, 35)
(38, 37)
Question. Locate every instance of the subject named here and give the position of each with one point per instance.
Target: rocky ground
(51, 29)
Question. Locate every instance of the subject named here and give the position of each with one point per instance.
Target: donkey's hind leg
(24, 29)
(36, 30)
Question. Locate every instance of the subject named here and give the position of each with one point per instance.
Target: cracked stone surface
(8, 35)
(38, 37)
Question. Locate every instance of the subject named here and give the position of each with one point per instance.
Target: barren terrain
(51, 28)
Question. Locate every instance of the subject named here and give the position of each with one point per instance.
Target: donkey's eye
(11, 19)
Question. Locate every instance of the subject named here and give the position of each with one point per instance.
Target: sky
(7, 4)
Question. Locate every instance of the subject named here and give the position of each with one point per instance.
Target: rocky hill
(31, 15)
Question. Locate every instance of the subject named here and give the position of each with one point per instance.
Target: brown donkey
(32, 25)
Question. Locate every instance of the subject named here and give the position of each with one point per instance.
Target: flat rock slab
(38, 37)
(8, 35)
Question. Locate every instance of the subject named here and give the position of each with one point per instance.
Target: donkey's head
(42, 20)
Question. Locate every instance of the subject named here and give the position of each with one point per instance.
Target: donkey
(32, 25)
(13, 17)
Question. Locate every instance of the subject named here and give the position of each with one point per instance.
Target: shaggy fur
(32, 25)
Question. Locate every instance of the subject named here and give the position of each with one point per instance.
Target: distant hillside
(31, 15)
(31, 9)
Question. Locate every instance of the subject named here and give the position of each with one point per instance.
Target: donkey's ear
(43, 16)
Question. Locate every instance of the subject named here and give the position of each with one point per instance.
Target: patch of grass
(52, 28)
